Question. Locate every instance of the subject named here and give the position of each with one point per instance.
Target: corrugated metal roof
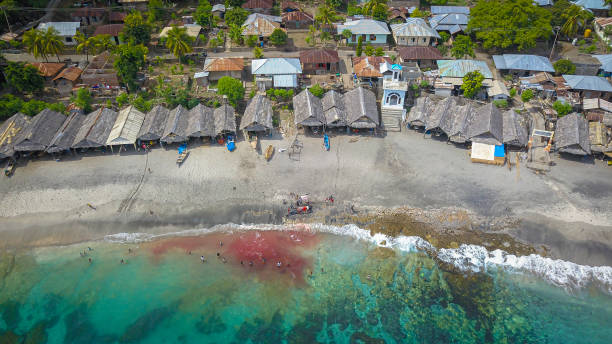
(365, 27)
(606, 62)
(449, 9)
(369, 66)
(297, 16)
(260, 24)
(588, 83)
(218, 7)
(319, 56)
(523, 62)
(497, 89)
(414, 27)
(252, 4)
(223, 64)
(193, 30)
(200, 75)
(277, 65)
(419, 53)
(126, 127)
(449, 19)
(64, 28)
(71, 73)
(289, 80)
(459, 68)
(592, 4)
(48, 69)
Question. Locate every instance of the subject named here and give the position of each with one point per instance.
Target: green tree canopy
(562, 108)
(359, 49)
(24, 78)
(235, 34)
(372, 6)
(326, 16)
(53, 43)
(232, 88)
(317, 90)
(136, 29)
(236, 16)
(233, 3)
(258, 53)
(203, 14)
(83, 99)
(10, 105)
(278, 37)
(156, 10)
(178, 41)
(83, 44)
(129, 60)
(462, 46)
(369, 50)
(472, 82)
(575, 18)
(509, 23)
(564, 66)
(33, 42)
(100, 43)
(526, 95)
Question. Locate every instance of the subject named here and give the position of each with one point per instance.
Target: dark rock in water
(10, 313)
(37, 334)
(372, 318)
(360, 337)
(306, 332)
(144, 325)
(260, 331)
(78, 327)
(210, 323)
(9, 337)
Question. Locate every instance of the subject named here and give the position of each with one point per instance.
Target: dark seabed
(291, 287)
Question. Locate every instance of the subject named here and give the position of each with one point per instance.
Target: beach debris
(91, 206)
(354, 139)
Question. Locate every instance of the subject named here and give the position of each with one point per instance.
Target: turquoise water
(327, 289)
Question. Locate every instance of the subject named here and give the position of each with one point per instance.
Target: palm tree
(326, 16)
(52, 42)
(575, 17)
(178, 41)
(32, 39)
(83, 43)
(371, 5)
(100, 43)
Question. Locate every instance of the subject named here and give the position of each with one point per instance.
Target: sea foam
(468, 258)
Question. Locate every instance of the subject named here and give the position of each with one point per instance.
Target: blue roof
(285, 80)
(449, 9)
(396, 67)
(459, 68)
(592, 4)
(588, 83)
(523, 62)
(606, 62)
(275, 66)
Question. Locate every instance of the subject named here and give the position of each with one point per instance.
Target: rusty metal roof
(319, 56)
(224, 64)
(297, 16)
(70, 73)
(258, 4)
(109, 29)
(369, 66)
(48, 69)
(419, 53)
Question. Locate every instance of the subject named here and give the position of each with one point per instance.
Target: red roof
(252, 4)
(319, 56)
(117, 16)
(369, 66)
(110, 29)
(419, 53)
(48, 69)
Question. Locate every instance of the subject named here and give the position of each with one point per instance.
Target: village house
(367, 68)
(522, 65)
(334, 110)
(297, 20)
(66, 30)
(425, 57)
(599, 8)
(192, 30)
(453, 19)
(218, 10)
(117, 17)
(372, 31)
(572, 135)
(543, 84)
(589, 86)
(319, 61)
(140, 5)
(216, 68)
(260, 25)
(289, 6)
(600, 25)
(606, 64)
(259, 6)
(277, 72)
(308, 110)
(398, 15)
(113, 30)
(67, 79)
(451, 73)
(414, 32)
(48, 69)
(498, 91)
(88, 16)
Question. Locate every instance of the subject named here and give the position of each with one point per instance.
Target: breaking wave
(467, 258)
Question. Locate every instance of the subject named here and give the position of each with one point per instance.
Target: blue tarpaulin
(499, 151)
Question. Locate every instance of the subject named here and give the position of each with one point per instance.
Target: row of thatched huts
(53, 132)
(355, 109)
(463, 122)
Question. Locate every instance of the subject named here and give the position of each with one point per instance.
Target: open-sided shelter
(420, 111)
(257, 115)
(201, 122)
(176, 126)
(225, 120)
(572, 135)
(440, 112)
(126, 128)
(333, 108)
(63, 139)
(361, 109)
(9, 133)
(95, 129)
(308, 110)
(456, 126)
(486, 126)
(514, 132)
(37, 136)
(154, 123)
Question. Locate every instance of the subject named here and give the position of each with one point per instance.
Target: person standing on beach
(202, 259)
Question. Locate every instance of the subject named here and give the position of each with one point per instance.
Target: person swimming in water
(89, 260)
(202, 259)
(122, 261)
(218, 254)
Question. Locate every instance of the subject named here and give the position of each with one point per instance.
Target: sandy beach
(566, 211)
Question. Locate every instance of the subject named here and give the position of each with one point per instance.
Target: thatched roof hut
(441, 111)
(420, 111)
(126, 128)
(487, 125)
(308, 109)
(515, 133)
(63, 139)
(37, 136)
(154, 123)
(176, 126)
(95, 129)
(9, 133)
(225, 119)
(333, 108)
(257, 115)
(572, 135)
(361, 109)
(456, 126)
(201, 122)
